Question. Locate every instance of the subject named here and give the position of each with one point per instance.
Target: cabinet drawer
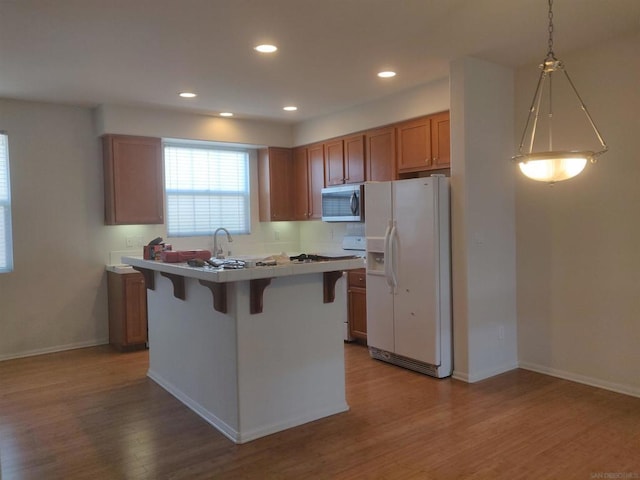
(358, 278)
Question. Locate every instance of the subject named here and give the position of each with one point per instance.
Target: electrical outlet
(276, 234)
(501, 332)
(133, 242)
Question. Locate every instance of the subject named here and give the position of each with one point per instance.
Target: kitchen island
(253, 351)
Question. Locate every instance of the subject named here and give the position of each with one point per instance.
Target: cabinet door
(316, 179)
(135, 295)
(354, 159)
(133, 190)
(127, 297)
(334, 162)
(301, 210)
(357, 303)
(358, 313)
(274, 178)
(381, 154)
(441, 140)
(414, 145)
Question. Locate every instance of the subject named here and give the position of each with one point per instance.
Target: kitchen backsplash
(266, 238)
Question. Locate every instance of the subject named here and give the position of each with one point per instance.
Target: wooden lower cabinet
(357, 304)
(127, 310)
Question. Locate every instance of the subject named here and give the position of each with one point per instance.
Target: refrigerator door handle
(393, 250)
(387, 254)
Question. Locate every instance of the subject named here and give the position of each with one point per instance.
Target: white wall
(56, 297)
(483, 223)
(577, 242)
(173, 124)
(422, 100)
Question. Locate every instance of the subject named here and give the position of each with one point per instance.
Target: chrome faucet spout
(217, 251)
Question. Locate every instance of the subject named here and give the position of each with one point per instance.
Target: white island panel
(193, 352)
(249, 374)
(291, 356)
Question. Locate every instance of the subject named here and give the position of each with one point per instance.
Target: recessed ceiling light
(226, 114)
(387, 74)
(266, 48)
(188, 94)
(290, 108)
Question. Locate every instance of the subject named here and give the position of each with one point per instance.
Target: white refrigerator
(407, 227)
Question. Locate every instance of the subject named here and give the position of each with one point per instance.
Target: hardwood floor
(93, 414)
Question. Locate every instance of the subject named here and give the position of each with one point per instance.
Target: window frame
(6, 265)
(212, 193)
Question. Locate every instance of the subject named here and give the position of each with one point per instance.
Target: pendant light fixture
(552, 165)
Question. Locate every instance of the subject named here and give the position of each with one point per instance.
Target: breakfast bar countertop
(221, 275)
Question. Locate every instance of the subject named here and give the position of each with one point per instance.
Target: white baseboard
(230, 432)
(574, 377)
(484, 374)
(54, 349)
(224, 428)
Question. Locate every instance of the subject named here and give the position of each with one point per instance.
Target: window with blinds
(6, 252)
(207, 187)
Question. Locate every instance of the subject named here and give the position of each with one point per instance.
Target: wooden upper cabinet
(414, 145)
(441, 140)
(334, 162)
(316, 179)
(381, 154)
(423, 143)
(301, 185)
(291, 180)
(344, 160)
(133, 185)
(274, 180)
(354, 159)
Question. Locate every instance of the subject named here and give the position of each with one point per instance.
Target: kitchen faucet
(217, 252)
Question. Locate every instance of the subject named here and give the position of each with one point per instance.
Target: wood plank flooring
(93, 414)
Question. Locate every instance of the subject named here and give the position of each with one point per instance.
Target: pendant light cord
(550, 54)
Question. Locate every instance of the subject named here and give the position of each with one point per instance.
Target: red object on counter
(184, 255)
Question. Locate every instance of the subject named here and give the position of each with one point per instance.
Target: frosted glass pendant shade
(553, 166)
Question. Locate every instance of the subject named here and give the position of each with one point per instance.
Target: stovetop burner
(311, 257)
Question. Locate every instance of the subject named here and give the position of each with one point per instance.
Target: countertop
(223, 276)
(120, 269)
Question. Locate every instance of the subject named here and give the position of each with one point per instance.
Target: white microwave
(343, 203)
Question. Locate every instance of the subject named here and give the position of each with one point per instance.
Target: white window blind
(207, 187)
(6, 252)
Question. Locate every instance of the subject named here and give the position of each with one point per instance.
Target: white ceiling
(143, 52)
